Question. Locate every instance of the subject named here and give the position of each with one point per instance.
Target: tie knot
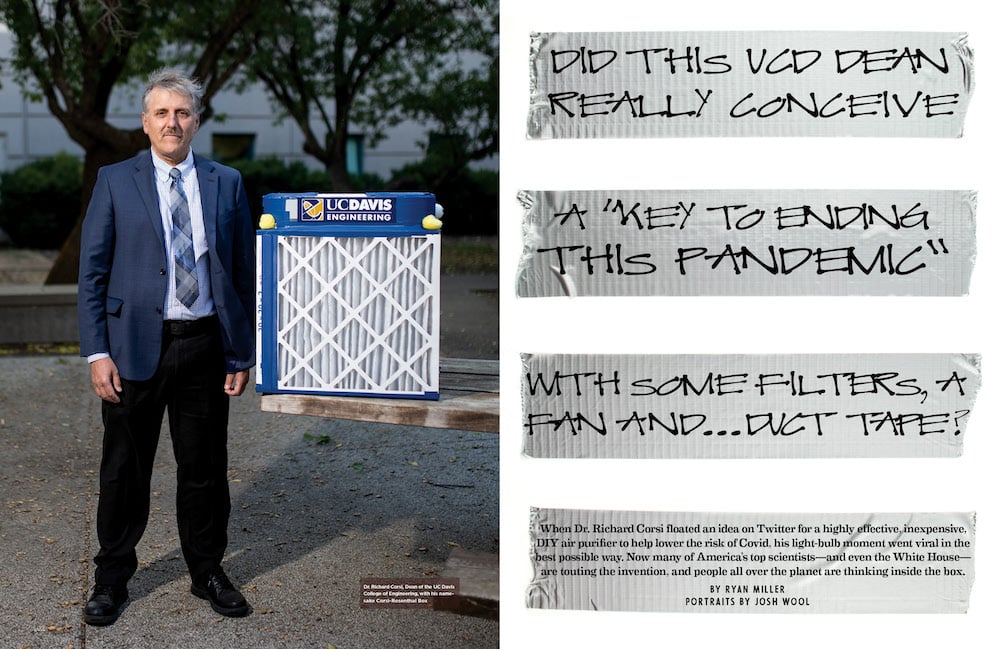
(175, 174)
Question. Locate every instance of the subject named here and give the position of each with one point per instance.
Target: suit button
(159, 310)
(163, 271)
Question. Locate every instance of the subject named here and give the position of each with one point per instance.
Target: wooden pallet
(478, 576)
(470, 400)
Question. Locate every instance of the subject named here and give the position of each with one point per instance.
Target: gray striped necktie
(185, 275)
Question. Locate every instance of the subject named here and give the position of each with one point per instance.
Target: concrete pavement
(18, 266)
(318, 505)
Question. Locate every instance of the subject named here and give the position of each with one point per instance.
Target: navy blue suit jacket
(123, 262)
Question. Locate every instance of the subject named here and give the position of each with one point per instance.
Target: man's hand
(104, 377)
(235, 383)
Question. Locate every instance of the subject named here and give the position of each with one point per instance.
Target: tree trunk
(339, 178)
(66, 268)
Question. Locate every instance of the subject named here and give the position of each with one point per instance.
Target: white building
(243, 124)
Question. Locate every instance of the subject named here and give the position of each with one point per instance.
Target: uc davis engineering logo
(312, 209)
(348, 209)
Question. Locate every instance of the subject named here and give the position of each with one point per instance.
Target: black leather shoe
(104, 605)
(222, 595)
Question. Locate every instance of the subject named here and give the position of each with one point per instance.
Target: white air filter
(358, 315)
(347, 306)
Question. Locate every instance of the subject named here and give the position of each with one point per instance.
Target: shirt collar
(163, 169)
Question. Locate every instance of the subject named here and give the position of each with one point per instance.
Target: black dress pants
(188, 386)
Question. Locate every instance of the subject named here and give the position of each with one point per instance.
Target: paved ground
(318, 505)
(24, 266)
(470, 316)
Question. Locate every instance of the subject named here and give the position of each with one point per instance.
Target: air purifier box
(348, 295)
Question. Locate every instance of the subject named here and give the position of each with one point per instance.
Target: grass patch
(489, 294)
(469, 258)
(39, 349)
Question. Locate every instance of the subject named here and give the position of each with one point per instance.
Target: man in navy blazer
(166, 306)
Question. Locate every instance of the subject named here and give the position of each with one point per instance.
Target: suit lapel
(208, 185)
(145, 181)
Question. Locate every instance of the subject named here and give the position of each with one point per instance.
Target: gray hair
(174, 81)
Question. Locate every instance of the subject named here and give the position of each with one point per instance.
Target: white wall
(31, 131)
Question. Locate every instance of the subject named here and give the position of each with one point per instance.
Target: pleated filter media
(349, 295)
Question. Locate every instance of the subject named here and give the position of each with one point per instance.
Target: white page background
(750, 325)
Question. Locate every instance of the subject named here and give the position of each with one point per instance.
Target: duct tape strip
(751, 563)
(747, 406)
(747, 242)
(677, 84)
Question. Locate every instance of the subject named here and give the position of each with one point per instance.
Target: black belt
(182, 328)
